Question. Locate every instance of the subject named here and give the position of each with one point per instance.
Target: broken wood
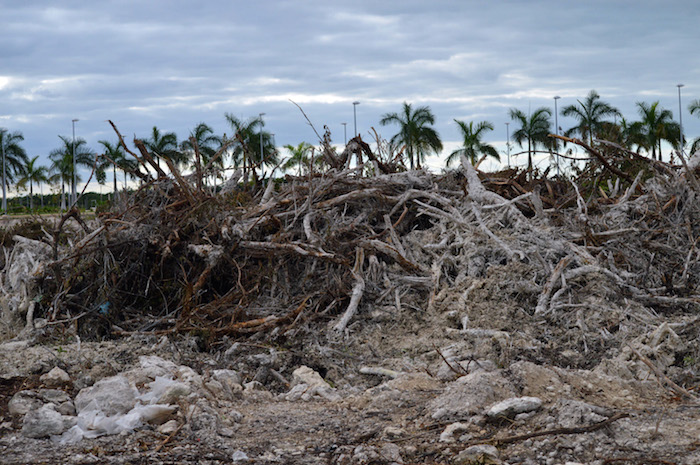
(560, 431)
(596, 154)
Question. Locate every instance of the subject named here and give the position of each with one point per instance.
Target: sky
(174, 64)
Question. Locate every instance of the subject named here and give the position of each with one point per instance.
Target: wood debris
(178, 255)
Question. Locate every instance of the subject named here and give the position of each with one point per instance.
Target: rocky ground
(388, 396)
(467, 331)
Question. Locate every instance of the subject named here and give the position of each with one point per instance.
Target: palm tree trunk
(31, 196)
(245, 171)
(529, 160)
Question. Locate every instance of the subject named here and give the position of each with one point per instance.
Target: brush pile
(319, 253)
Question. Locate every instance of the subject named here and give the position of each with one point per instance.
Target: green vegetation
(62, 160)
(694, 109)
(590, 115)
(115, 157)
(252, 147)
(299, 157)
(32, 173)
(534, 128)
(164, 146)
(473, 145)
(415, 132)
(656, 126)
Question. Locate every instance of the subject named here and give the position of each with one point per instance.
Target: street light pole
(556, 130)
(354, 114)
(74, 191)
(680, 115)
(262, 149)
(345, 133)
(4, 193)
(508, 142)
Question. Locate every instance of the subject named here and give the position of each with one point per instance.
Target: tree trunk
(529, 160)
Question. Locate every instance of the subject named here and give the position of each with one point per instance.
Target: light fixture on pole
(74, 190)
(508, 142)
(345, 133)
(4, 193)
(262, 149)
(556, 130)
(354, 114)
(680, 115)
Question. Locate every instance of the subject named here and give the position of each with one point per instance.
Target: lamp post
(680, 116)
(556, 130)
(74, 192)
(508, 142)
(354, 114)
(345, 133)
(4, 193)
(262, 149)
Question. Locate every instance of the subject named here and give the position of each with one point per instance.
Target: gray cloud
(176, 63)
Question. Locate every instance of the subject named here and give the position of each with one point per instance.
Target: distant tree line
(252, 149)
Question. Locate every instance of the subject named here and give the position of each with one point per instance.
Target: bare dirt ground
(375, 419)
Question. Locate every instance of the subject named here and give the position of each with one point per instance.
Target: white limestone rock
(111, 396)
(480, 454)
(45, 422)
(55, 378)
(509, 408)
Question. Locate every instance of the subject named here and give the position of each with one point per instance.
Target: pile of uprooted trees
(316, 251)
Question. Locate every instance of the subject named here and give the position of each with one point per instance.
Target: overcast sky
(174, 64)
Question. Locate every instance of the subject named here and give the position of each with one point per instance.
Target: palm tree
(207, 145)
(14, 158)
(61, 173)
(247, 148)
(632, 134)
(415, 132)
(534, 129)
(115, 155)
(590, 115)
(299, 156)
(694, 108)
(472, 145)
(165, 146)
(657, 125)
(62, 162)
(32, 173)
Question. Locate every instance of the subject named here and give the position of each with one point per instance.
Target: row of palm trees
(253, 148)
(656, 125)
(250, 147)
